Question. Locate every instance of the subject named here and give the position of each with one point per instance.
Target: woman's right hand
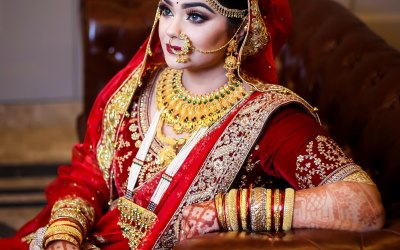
(61, 245)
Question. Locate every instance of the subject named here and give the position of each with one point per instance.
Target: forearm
(341, 205)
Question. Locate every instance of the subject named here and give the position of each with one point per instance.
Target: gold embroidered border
(231, 149)
(114, 111)
(324, 162)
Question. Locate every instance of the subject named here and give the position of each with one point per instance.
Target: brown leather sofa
(331, 59)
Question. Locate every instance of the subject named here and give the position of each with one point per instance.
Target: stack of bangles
(255, 209)
(70, 220)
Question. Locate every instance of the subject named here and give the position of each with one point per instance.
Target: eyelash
(165, 11)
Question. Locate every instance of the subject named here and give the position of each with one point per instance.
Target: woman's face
(206, 29)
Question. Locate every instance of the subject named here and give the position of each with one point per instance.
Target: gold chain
(186, 112)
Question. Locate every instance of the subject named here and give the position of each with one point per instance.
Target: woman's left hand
(198, 219)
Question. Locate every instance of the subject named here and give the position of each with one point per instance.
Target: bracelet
(219, 205)
(72, 214)
(268, 210)
(243, 209)
(64, 237)
(288, 209)
(71, 231)
(257, 211)
(230, 203)
(76, 203)
(66, 223)
(276, 209)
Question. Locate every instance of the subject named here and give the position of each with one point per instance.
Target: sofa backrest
(352, 76)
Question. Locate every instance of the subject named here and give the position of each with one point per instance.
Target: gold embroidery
(258, 36)
(360, 177)
(323, 163)
(231, 149)
(114, 112)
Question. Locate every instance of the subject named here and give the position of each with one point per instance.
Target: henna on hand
(61, 245)
(198, 219)
(341, 205)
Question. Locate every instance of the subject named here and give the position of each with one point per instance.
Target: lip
(170, 47)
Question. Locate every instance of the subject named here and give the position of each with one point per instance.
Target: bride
(194, 135)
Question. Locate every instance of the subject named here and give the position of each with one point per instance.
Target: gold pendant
(166, 155)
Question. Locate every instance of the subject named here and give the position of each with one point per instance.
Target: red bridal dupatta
(211, 166)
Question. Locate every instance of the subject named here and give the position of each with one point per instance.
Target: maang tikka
(182, 55)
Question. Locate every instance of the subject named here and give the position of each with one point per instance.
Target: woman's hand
(198, 219)
(61, 245)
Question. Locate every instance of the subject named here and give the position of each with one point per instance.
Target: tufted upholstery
(333, 60)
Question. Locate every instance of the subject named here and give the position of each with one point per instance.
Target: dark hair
(234, 23)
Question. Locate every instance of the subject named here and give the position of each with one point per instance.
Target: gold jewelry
(231, 60)
(232, 13)
(257, 211)
(288, 209)
(71, 231)
(64, 237)
(185, 112)
(168, 152)
(71, 213)
(134, 221)
(219, 206)
(277, 212)
(268, 210)
(182, 55)
(230, 203)
(243, 209)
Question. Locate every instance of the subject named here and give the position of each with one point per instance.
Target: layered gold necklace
(186, 112)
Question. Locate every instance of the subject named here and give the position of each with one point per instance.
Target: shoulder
(274, 97)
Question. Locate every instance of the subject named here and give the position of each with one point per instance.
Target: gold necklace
(186, 112)
(171, 145)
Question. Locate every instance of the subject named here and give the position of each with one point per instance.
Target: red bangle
(281, 207)
(272, 208)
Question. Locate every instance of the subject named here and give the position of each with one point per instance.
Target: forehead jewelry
(182, 54)
(233, 13)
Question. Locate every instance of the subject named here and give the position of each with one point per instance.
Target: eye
(164, 10)
(196, 17)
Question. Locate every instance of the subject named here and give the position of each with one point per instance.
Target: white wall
(40, 59)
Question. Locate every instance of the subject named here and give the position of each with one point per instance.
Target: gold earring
(183, 53)
(231, 60)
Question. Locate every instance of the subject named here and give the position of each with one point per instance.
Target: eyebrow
(191, 5)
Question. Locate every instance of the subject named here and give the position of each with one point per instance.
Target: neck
(201, 82)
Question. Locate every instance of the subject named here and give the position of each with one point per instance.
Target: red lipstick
(170, 48)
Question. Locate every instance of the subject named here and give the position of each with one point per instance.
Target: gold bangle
(219, 205)
(71, 231)
(268, 210)
(232, 210)
(257, 211)
(277, 213)
(72, 214)
(64, 237)
(67, 223)
(76, 203)
(288, 209)
(243, 209)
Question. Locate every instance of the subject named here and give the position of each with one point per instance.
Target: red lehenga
(271, 138)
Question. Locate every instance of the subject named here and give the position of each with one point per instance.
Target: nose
(173, 28)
